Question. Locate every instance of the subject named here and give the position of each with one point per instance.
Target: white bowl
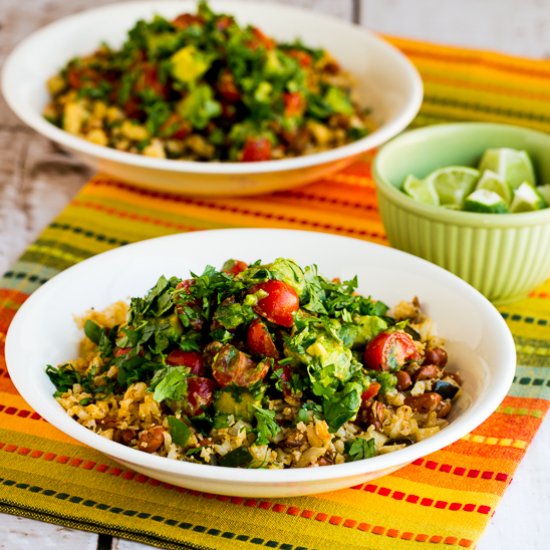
(480, 345)
(387, 82)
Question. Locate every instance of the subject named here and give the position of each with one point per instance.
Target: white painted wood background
(37, 180)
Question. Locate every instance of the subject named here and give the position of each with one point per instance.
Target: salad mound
(261, 365)
(201, 87)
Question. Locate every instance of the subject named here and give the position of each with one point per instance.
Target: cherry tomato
(119, 352)
(279, 304)
(191, 359)
(149, 80)
(234, 267)
(285, 376)
(175, 127)
(259, 341)
(256, 149)
(303, 58)
(260, 39)
(227, 87)
(224, 22)
(371, 392)
(232, 366)
(390, 351)
(200, 394)
(294, 104)
(186, 20)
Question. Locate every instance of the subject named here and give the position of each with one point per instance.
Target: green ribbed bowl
(504, 256)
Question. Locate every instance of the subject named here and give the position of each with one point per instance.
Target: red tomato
(224, 22)
(119, 352)
(279, 304)
(294, 104)
(234, 267)
(191, 359)
(285, 377)
(185, 284)
(186, 20)
(256, 149)
(303, 58)
(371, 392)
(390, 351)
(149, 80)
(232, 366)
(133, 109)
(175, 127)
(259, 341)
(260, 39)
(227, 87)
(200, 394)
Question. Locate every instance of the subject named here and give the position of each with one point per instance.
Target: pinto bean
(435, 356)
(428, 372)
(151, 440)
(454, 376)
(425, 403)
(444, 408)
(295, 439)
(376, 414)
(124, 436)
(404, 381)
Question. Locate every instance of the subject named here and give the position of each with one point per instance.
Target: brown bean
(435, 356)
(295, 439)
(151, 440)
(107, 423)
(425, 403)
(428, 372)
(124, 436)
(454, 376)
(404, 381)
(325, 461)
(444, 408)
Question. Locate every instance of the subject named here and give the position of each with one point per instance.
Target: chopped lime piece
(453, 183)
(527, 199)
(420, 190)
(491, 181)
(544, 192)
(512, 165)
(483, 200)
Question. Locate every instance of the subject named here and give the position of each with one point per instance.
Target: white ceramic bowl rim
(36, 121)
(458, 217)
(462, 425)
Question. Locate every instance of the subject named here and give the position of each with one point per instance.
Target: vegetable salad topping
(202, 87)
(260, 365)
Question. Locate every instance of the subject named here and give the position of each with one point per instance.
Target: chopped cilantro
(361, 448)
(179, 431)
(266, 427)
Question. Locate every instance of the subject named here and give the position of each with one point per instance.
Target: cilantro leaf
(342, 406)
(267, 428)
(170, 384)
(361, 448)
(238, 457)
(179, 431)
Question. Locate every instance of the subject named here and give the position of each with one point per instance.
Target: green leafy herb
(266, 427)
(361, 448)
(342, 406)
(179, 431)
(170, 384)
(236, 458)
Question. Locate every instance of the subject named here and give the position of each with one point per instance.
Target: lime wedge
(527, 199)
(453, 183)
(512, 165)
(544, 191)
(483, 200)
(420, 190)
(491, 181)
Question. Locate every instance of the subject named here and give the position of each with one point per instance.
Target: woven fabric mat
(446, 498)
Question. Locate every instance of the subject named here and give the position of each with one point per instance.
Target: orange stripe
(350, 523)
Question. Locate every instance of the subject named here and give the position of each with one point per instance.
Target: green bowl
(504, 256)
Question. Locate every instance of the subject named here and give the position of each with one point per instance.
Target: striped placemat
(444, 499)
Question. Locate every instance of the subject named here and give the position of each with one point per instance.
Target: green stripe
(532, 352)
(531, 382)
(109, 528)
(86, 232)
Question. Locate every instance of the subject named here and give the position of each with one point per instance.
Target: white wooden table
(37, 180)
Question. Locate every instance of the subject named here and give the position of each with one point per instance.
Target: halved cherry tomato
(256, 149)
(389, 351)
(259, 341)
(227, 87)
(279, 304)
(200, 393)
(234, 267)
(119, 352)
(303, 58)
(294, 104)
(371, 392)
(285, 376)
(186, 20)
(224, 22)
(149, 80)
(191, 359)
(260, 39)
(232, 366)
(175, 127)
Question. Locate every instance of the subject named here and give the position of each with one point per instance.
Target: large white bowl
(387, 82)
(480, 345)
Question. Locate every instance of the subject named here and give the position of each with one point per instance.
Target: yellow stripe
(501, 442)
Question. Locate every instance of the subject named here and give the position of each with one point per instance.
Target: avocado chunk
(238, 402)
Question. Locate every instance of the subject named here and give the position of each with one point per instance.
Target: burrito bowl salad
(201, 87)
(260, 365)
